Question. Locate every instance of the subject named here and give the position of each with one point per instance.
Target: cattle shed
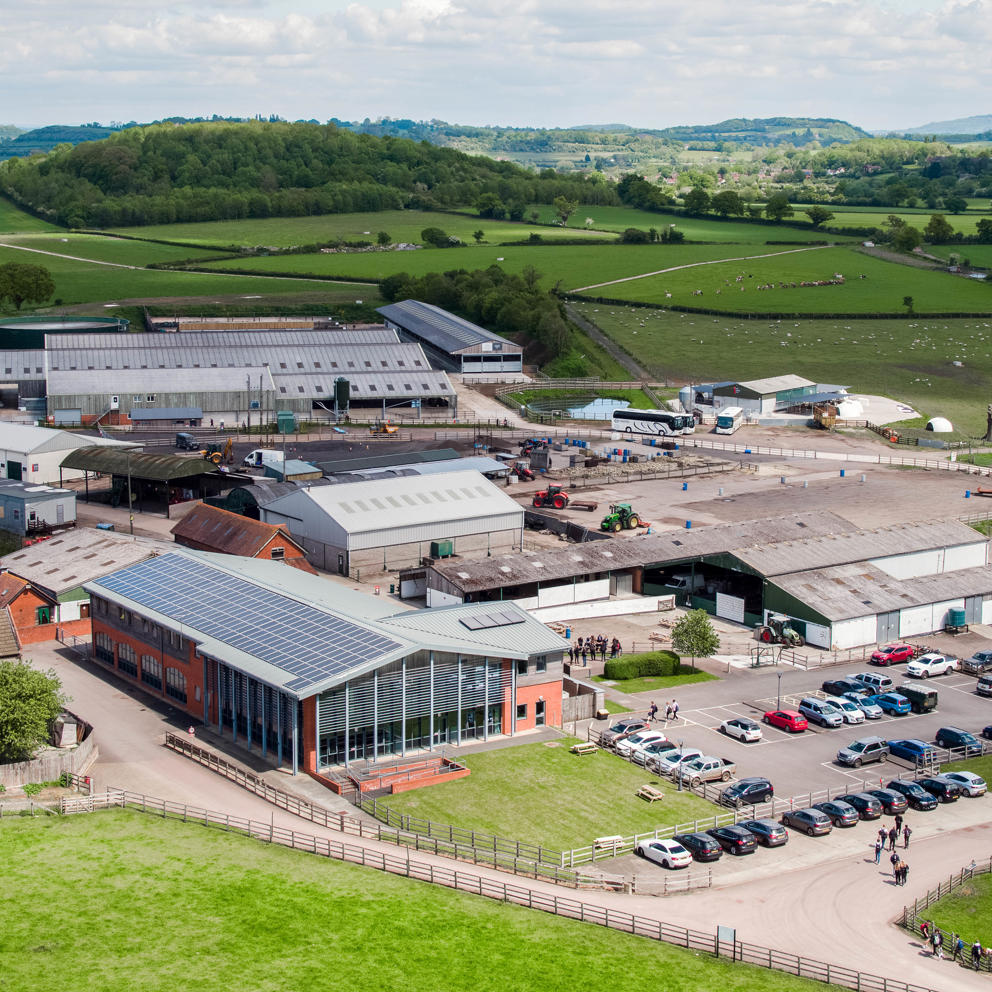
(759, 396)
(394, 523)
(452, 342)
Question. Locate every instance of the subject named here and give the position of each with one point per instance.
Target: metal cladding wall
(437, 531)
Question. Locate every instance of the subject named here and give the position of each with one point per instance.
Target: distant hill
(44, 139)
(769, 131)
(961, 125)
(8, 132)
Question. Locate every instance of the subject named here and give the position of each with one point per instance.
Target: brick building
(32, 611)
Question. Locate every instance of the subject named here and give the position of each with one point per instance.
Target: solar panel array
(484, 621)
(293, 636)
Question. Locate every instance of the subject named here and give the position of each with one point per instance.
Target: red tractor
(552, 496)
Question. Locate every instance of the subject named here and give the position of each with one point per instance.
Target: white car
(742, 728)
(931, 664)
(667, 853)
(851, 712)
(872, 711)
(643, 737)
(665, 764)
(972, 784)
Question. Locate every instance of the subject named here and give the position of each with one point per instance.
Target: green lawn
(917, 216)
(611, 707)
(560, 398)
(15, 220)
(122, 251)
(121, 900)
(401, 225)
(980, 766)
(550, 797)
(967, 911)
(907, 359)
(737, 286)
(980, 255)
(653, 683)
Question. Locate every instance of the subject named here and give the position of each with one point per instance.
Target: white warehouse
(395, 523)
(34, 454)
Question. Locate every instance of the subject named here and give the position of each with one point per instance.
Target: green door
(15, 470)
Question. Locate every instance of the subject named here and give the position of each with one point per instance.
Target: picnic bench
(584, 747)
(651, 793)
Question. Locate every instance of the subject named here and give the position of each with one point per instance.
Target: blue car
(912, 750)
(891, 702)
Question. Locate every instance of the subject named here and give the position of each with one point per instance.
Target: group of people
(583, 648)
(934, 936)
(671, 711)
(886, 839)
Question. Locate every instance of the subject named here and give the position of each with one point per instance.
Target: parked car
(810, 821)
(747, 792)
(987, 732)
(863, 751)
(850, 712)
(609, 738)
(868, 807)
(915, 795)
(983, 687)
(891, 703)
(734, 839)
(978, 664)
(837, 687)
(701, 846)
(970, 784)
(955, 737)
(912, 750)
(892, 802)
(706, 768)
(667, 853)
(921, 698)
(641, 755)
(872, 711)
(768, 833)
(945, 791)
(891, 654)
(841, 814)
(668, 761)
(626, 745)
(931, 664)
(786, 720)
(742, 728)
(820, 711)
(874, 680)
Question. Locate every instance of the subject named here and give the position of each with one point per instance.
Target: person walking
(882, 834)
(602, 650)
(652, 711)
(905, 872)
(675, 709)
(976, 955)
(957, 945)
(878, 851)
(898, 823)
(938, 943)
(668, 712)
(893, 834)
(925, 930)
(906, 832)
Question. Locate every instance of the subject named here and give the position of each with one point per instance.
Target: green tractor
(779, 631)
(620, 517)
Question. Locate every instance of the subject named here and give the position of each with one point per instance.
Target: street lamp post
(778, 701)
(678, 775)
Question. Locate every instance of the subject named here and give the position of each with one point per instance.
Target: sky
(545, 63)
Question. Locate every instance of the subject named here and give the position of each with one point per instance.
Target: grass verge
(169, 905)
(967, 911)
(551, 797)
(652, 683)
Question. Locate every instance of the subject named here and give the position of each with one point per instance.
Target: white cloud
(878, 63)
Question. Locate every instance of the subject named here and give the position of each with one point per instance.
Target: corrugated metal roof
(32, 492)
(24, 365)
(384, 461)
(473, 463)
(860, 589)
(168, 413)
(28, 439)
(228, 339)
(776, 383)
(159, 468)
(386, 504)
(227, 533)
(375, 385)
(442, 329)
(174, 380)
(784, 556)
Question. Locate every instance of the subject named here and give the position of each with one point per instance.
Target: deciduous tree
(818, 215)
(696, 201)
(29, 701)
(694, 635)
(778, 207)
(564, 208)
(23, 283)
(938, 231)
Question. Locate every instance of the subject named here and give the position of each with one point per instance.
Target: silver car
(872, 711)
(667, 762)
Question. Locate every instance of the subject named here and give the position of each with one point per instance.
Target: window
(373, 389)
(299, 365)
(278, 554)
(175, 684)
(300, 388)
(385, 365)
(282, 389)
(282, 365)
(542, 664)
(127, 659)
(176, 640)
(368, 364)
(150, 398)
(521, 667)
(104, 647)
(390, 387)
(401, 364)
(316, 365)
(43, 615)
(521, 711)
(151, 671)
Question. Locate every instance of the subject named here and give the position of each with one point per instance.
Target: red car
(786, 720)
(892, 654)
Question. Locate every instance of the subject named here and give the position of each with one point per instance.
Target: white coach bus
(657, 423)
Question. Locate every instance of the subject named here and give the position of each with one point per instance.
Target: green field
(561, 398)
(121, 900)
(401, 225)
(572, 265)
(980, 255)
(551, 797)
(966, 911)
(916, 216)
(78, 282)
(121, 251)
(737, 286)
(910, 359)
(15, 220)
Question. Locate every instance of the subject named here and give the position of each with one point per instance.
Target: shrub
(640, 665)
(32, 788)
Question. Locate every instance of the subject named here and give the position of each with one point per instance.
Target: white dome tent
(940, 425)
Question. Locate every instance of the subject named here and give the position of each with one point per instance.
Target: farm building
(760, 396)
(316, 674)
(209, 528)
(392, 523)
(843, 587)
(29, 510)
(31, 610)
(35, 454)
(451, 342)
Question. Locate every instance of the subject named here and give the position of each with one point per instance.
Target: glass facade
(423, 702)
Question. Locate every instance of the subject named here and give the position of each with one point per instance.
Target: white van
(263, 458)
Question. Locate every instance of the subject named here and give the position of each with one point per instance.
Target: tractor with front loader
(621, 517)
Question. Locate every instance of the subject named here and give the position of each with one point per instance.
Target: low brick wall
(53, 761)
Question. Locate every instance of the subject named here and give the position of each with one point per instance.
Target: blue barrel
(625, 459)
(956, 617)
(688, 525)
(967, 494)
(747, 451)
(568, 633)
(842, 473)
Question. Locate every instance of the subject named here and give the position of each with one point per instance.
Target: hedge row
(637, 666)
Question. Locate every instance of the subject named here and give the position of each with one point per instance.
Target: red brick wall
(280, 541)
(24, 612)
(309, 734)
(531, 694)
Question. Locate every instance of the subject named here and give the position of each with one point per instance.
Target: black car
(747, 792)
(892, 802)
(955, 737)
(837, 687)
(916, 795)
(987, 732)
(868, 806)
(841, 814)
(734, 839)
(701, 846)
(768, 833)
(945, 792)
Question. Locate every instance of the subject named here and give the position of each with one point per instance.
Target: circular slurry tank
(30, 331)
